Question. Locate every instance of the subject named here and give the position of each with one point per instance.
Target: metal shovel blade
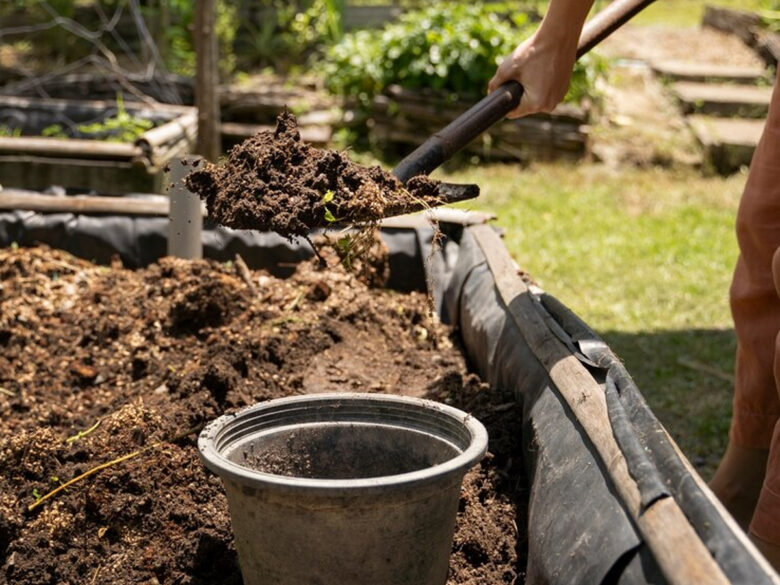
(447, 193)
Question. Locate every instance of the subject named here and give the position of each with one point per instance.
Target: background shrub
(452, 48)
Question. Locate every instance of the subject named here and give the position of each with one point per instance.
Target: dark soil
(275, 182)
(99, 363)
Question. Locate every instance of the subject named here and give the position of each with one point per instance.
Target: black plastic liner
(139, 241)
(579, 530)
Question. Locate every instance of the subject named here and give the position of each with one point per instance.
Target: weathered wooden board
(402, 118)
(110, 177)
(680, 553)
(35, 162)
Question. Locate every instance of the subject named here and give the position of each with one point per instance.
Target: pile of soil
(275, 182)
(108, 366)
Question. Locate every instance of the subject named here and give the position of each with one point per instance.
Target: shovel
(440, 147)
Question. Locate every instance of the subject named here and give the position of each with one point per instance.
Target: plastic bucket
(343, 488)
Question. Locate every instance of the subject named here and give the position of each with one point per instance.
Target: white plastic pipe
(185, 216)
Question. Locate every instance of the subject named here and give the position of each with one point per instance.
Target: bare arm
(543, 63)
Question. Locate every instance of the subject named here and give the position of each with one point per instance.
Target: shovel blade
(447, 193)
(453, 192)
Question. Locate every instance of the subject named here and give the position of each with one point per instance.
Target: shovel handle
(440, 147)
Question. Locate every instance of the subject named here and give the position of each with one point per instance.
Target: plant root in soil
(275, 182)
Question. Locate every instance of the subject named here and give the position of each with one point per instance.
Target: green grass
(688, 13)
(645, 257)
(675, 13)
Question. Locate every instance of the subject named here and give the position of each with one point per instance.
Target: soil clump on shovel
(275, 182)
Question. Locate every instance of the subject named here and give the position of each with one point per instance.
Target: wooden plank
(564, 112)
(723, 99)
(91, 106)
(168, 152)
(679, 551)
(70, 147)
(737, 531)
(700, 72)
(729, 143)
(89, 205)
(26, 200)
(102, 176)
(731, 131)
(184, 126)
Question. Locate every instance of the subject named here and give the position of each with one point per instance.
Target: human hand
(542, 64)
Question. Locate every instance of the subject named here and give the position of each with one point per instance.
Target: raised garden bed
(152, 354)
(400, 119)
(31, 161)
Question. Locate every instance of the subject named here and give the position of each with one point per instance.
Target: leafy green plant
(770, 14)
(180, 50)
(123, 127)
(452, 47)
(327, 198)
(290, 32)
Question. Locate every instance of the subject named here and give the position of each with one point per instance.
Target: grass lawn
(645, 257)
(686, 13)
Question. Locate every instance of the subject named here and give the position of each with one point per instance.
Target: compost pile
(114, 371)
(275, 182)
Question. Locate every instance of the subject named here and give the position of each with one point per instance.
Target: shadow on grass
(686, 378)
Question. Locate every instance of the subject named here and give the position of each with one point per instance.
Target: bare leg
(738, 480)
(770, 551)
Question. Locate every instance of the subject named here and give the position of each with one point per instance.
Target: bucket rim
(453, 468)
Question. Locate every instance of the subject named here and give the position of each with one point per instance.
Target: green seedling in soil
(123, 127)
(327, 198)
(82, 434)
(36, 495)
